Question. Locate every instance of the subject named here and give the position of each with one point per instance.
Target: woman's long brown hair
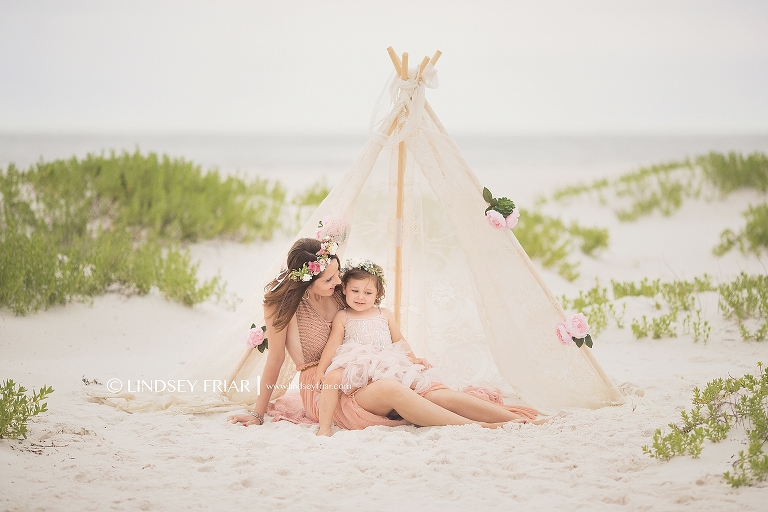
(283, 299)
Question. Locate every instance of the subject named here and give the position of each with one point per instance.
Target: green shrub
(663, 187)
(16, 408)
(172, 198)
(71, 229)
(659, 327)
(597, 307)
(550, 241)
(733, 171)
(313, 195)
(723, 404)
(674, 298)
(752, 239)
(747, 298)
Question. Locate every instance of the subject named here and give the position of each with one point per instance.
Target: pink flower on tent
(314, 267)
(512, 218)
(255, 337)
(562, 333)
(577, 325)
(496, 219)
(335, 226)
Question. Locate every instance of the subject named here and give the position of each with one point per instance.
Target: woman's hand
(418, 360)
(245, 420)
(318, 382)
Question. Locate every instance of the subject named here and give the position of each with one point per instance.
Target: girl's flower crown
(366, 265)
(328, 248)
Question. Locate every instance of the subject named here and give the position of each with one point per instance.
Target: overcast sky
(318, 66)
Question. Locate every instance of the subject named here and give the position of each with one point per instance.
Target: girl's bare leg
(329, 398)
(472, 407)
(382, 396)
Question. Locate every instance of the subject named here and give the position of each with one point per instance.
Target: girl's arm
(334, 342)
(394, 330)
(275, 358)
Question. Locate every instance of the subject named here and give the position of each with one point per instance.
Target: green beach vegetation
(722, 405)
(550, 241)
(16, 407)
(743, 301)
(72, 229)
(664, 187)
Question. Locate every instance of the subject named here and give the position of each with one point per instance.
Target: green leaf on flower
(504, 206)
(264, 346)
(588, 340)
(578, 341)
(487, 195)
(263, 328)
(253, 326)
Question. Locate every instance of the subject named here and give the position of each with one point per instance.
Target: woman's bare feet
(325, 432)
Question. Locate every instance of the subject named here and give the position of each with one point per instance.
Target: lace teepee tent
(465, 294)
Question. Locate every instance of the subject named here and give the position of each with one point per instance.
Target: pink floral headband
(331, 231)
(328, 248)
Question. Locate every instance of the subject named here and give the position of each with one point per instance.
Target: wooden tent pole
(399, 211)
(423, 65)
(395, 60)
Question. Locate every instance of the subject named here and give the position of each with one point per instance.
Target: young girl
(365, 344)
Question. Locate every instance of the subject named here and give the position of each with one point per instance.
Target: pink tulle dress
(368, 354)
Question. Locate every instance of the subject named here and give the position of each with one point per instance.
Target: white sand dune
(83, 455)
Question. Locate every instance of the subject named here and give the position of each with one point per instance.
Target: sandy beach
(83, 455)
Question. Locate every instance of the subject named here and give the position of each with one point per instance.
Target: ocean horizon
(307, 158)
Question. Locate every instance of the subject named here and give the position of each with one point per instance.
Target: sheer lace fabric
(472, 302)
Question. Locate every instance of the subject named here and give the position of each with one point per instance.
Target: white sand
(83, 455)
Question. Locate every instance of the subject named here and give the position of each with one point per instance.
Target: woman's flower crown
(366, 265)
(328, 248)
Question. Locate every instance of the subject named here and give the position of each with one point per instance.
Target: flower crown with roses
(328, 248)
(366, 265)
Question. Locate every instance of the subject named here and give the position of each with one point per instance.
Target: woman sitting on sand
(299, 308)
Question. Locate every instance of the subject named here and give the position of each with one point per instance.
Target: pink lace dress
(368, 354)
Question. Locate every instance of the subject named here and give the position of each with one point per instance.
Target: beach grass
(722, 405)
(752, 238)
(72, 229)
(663, 187)
(550, 241)
(743, 300)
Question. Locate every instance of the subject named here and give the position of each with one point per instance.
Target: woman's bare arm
(275, 359)
(334, 342)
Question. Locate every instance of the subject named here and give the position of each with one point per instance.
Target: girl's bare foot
(325, 431)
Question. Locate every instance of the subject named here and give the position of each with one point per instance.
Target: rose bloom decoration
(502, 212)
(576, 329)
(335, 226)
(496, 219)
(255, 338)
